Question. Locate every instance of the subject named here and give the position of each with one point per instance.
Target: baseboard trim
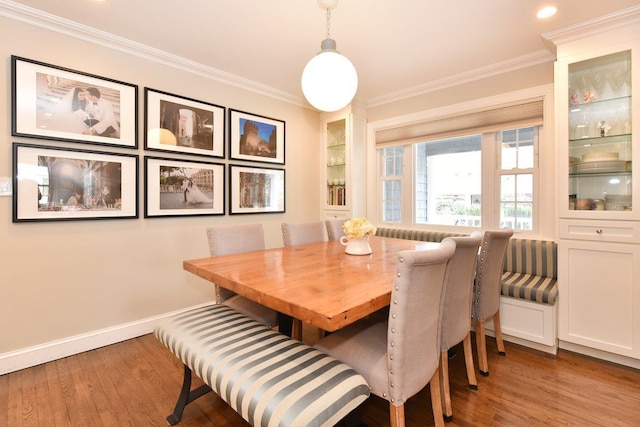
(31, 356)
(599, 354)
(551, 349)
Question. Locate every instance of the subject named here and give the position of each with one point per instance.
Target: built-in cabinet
(343, 142)
(597, 93)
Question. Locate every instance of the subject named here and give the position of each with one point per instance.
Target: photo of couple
(70, 106)
(184, 188)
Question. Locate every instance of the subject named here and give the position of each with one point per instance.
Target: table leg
(296, 332)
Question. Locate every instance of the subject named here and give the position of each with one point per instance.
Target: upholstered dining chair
(233, 239)
(303, 232)
(486, 292)
(334, 228)
(398, 356)
(455, 312)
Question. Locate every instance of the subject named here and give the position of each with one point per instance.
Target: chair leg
(498, 332)
(481, 343)
(444, 382)
(397, 415)
(436, 401)
(468, 361)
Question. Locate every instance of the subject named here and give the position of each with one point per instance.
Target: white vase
(356, 245)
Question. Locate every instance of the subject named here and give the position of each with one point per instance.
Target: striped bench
(529, 291)
(530, 266)
(531, 270)
(268, 378)
(421, 235)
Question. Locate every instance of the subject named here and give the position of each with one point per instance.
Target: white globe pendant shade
(329, 81)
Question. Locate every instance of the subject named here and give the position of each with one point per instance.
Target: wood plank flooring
(136, 383)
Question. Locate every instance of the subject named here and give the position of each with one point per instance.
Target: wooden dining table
(317, 283)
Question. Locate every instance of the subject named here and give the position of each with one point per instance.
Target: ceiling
(396, 46)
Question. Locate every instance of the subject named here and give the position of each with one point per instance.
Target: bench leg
(186, 396)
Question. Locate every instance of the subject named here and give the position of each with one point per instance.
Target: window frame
(544, 163)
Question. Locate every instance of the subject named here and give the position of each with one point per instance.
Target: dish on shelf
(599, 157)
(617, 202)
(602, 166)
(583, 204)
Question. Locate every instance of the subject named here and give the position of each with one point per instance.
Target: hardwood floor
(136, 383)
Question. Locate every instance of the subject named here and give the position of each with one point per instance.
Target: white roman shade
(489, 120)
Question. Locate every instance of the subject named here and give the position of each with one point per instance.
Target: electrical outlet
(5, 186)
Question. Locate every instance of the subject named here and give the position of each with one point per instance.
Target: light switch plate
(5, 186)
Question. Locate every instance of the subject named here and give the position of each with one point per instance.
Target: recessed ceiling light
(547, 12)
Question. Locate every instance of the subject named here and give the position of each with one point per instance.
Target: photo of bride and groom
(73, 107)
(183, 188)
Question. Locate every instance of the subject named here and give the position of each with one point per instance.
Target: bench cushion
(268, 378)
(529, 287)
(531, 270)
(536, 257)
(421, 235)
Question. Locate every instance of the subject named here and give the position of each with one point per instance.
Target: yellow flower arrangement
(356, 228)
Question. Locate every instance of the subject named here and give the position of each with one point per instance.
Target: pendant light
(329, 81)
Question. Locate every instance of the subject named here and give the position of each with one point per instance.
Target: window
(478, 180)
(448, 178)
(517, 162)
(392, 171)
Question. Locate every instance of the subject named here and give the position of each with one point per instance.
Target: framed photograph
(52, 183)
(183, 125)
(56, 103)
(256, 190)
(181, 188)
(256, 138)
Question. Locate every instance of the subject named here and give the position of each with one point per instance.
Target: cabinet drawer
(337, 214)
(600, 231)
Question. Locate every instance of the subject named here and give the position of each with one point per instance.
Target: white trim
(617, 19)
(598, 354)
(546, 165)
(53, 350)
(56, 24)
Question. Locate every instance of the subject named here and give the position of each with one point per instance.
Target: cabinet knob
(599, 231)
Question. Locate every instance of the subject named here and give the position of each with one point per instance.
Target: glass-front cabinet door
(336, 159)
(599, 131)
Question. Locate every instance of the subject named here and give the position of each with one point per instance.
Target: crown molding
(40, 19)
(594, 26)
(529, 60)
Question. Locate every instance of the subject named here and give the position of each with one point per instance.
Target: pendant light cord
(328, 22)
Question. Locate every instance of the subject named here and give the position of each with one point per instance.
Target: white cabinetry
(344, 159)
(597, 82)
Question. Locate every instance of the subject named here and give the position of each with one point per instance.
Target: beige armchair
(399, 356)
(232, 239)
(334, 228)
(303, 232)
(486, 291)
(455, 312)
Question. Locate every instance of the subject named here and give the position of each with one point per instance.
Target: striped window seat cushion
(529, 287)
(268, 378)
(531, 270)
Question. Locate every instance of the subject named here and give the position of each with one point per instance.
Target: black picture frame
(256, 138)
(178, 124)
(60, 104)
(55, 183)
(175, 187)
(256, 190)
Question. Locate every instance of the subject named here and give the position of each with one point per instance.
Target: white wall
(64, 283)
